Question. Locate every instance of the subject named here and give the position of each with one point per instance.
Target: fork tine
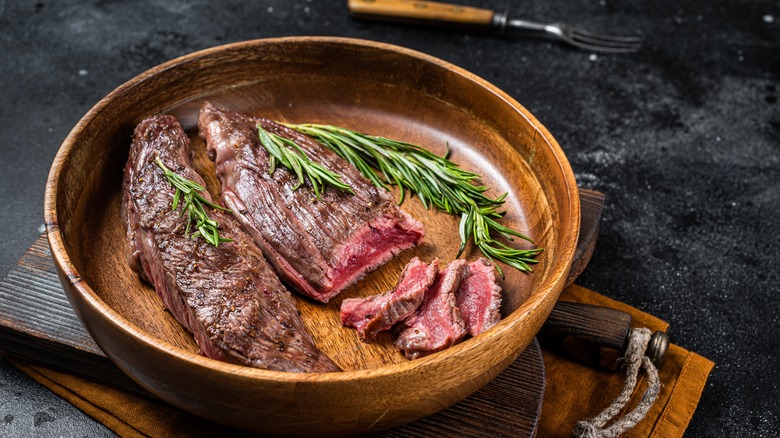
(604, 43)
(607, 44)
(583, 39)
(602, 48)
(608, 38)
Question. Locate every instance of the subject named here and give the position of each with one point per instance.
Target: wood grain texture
(374, 88)
(591, 209)
(38, 325)
(594, 335)
(420, 11)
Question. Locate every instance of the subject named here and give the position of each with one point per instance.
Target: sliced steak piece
(376, 313)
(227, 296)
(479, 297)
(437, 324)
(318, 247)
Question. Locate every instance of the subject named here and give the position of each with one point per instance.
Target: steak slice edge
(479, 297)
(370, 315)
(437, 323)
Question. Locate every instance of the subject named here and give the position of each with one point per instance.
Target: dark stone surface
(683, 138)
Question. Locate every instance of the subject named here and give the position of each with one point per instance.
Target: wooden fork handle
(421, 12)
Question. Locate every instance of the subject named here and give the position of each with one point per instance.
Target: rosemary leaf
(288, 154)
(437, 181)
(207, 228)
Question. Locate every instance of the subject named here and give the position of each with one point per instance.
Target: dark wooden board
(37, 324)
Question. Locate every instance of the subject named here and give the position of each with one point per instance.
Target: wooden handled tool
(479, 19)
(422, 12)
(594, 335)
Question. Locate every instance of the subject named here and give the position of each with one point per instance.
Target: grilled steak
(226, 296)
(318, 247)
(479, 297)
(376, 313)
(437, 324)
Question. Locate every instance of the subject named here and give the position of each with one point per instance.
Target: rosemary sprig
(290, 155)
(193, 206)
(476, 224)
(436, 180)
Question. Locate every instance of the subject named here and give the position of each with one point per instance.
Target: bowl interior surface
(369, 87)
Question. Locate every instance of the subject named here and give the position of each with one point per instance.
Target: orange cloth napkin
(573, 392)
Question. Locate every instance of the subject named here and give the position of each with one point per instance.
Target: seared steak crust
(319, 247)
(226, 296)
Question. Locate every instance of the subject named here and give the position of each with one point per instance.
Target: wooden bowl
(371, 87)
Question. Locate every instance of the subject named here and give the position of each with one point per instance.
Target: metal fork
(576, 37)
(417, 11)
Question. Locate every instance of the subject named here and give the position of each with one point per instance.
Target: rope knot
(634, 359)
(584, 429)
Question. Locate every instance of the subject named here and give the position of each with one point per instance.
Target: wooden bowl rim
(541, 297)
